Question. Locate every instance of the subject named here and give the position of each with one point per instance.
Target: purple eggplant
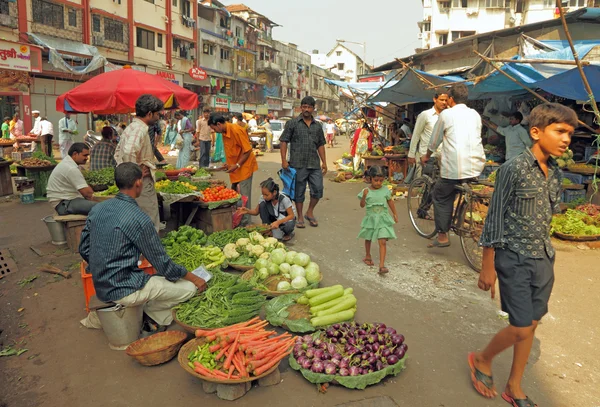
(381, 330)
(361, 332)
(301, 359)
(335, 326)
(351, 341)
(390, 331)
(385, 352)
(372, 360)
(343, 341)
(375, 346)
(344, 371)
(299, 340)
(405, 347)
(397, 339)
(335, 361)
(323, 346)
(307, 338)
(306, 364)
(319, 354)
(380, 325)
(331, 348)
(317, 366)
(351, 350)
(400, 352)
(378, 365)
(364, 356)
(297, 348)
(310, 353)
(392, 359)
(345, 362)
(355, 360)
(354, 371)
(369, 347)
(330, 368)
(334, 340)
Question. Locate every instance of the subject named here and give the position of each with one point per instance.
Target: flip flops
(368, 262)
(436, 244)
(311, 221)
(383, 270)
(477, 376)
(526, 402)
(300, 224)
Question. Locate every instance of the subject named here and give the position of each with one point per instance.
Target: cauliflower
(561, 163)
(230, 251)
(248, 248)
(257, 250)
(271, 240)
(256, 237)
(265, 255)
(280, 245)
(243, 241)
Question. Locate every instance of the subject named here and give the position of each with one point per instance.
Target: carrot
(236, 363)
(258, 363)
(222, 352)
(250, 338)
(263, 352)
(237, 326)
(232, 350)
(267, 366)
(214, 348)
(203, 371)
(231, 369)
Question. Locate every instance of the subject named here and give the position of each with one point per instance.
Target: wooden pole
(421, 77)
(534, 93)
(538, 61)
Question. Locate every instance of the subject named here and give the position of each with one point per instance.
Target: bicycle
(468, 216)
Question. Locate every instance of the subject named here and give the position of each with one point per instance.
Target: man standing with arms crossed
(135, 146)
(66, 129)
(463, 158)
(308, 147)
(423, 129)
(204, 135)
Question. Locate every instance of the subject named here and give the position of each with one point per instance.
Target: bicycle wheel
(420, 206)
(471, 221)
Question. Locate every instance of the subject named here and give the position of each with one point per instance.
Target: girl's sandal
(368, 262)
(383, 270)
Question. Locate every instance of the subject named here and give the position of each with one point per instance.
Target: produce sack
(280, 311)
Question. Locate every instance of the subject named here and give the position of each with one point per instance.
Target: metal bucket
(27, 196)
(56, 229)
(121, 325)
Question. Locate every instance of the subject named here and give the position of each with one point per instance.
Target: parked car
(277, 128)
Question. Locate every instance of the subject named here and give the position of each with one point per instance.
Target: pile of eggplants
(350, 349)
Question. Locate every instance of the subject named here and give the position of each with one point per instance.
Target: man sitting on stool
(116, 233)
(67, 191)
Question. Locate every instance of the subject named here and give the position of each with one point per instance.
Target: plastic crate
(574, 178)
(590, 151)
(18, 156)
(570, 195)
(88, 284)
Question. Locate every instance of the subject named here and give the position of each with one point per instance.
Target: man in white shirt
(47, 131)
(330, 132)
(463, 158)
(205, 137)
(405, 129)
(36, 130)
(516, 136)
(67, 191)
(66, 129)
(252, 124)
(423, 129)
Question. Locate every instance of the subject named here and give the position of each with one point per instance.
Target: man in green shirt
(6, 127)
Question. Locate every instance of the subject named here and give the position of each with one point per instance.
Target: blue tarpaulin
(570, 85)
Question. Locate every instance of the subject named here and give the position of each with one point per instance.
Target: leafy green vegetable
(175, 187)
(185, 234)
(277, 314)
(105, 176)
(575, 223)
(225, 237)
(112, 190)
(41, 156)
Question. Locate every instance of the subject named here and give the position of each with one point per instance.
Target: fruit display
(583, 168)
(377, 151)
(112, 190)
(218, 193)
(350, 354)
(35, 162)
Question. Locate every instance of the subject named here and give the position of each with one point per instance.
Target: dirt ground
(429, 295)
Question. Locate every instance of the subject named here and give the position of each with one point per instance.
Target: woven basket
(239, 267)
(158, 348)
(577, 238)
(584, 171)
(272, 281)
(192, 345)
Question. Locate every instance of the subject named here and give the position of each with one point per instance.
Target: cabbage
(290, 256)
(313, 274)
(287, 275)
(263, 273)
(297, 271)
(283, 286)
(278, 256)
(299, 283)
(302, 259)
(285, 268)
(273, 268)
(261, 263)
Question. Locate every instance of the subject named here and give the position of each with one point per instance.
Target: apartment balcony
(268, 66)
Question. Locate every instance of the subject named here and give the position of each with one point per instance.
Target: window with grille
(145, 38)
(459, 3)
(224, 53)
(159, 40)
(96, 24)
(208, 49)
(113, 30)
(461, 34)
(315, 83)
(577, 3)
(443, 39)
(4, 9)
(47, 13)
(72, 17)
(238, 32)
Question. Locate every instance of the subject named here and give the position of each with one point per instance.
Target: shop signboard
(236, 107)
(249, 107)
(221, 102)
(171, 76)
(262, 109)
(15, 56)
(287, 106)
(198, 73)
(274, 104)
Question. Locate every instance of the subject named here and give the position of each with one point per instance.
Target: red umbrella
(117, 91)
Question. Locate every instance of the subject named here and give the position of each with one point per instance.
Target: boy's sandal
(477, 376)
(437, 244)
(383, 270)
(311, 221)
(287, 238)
(368, 262)
(526, 402)
(300, 224)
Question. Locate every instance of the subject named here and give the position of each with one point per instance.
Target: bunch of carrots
(247, 349)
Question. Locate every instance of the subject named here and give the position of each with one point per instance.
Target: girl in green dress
(377, 224)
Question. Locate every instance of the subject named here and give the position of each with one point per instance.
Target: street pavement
(429, 295)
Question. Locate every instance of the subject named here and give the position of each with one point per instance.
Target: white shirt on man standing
(66, 128)
(459, 128)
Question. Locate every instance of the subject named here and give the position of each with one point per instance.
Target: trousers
(205, 153)
(77, 206)
(444, 194)
(148, 202)
(65, 145)
(245, 189)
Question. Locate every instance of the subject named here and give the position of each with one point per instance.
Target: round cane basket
(158, 348)
(189, 328)
(239, 267)
(577, 238)
(271, 282)
(192, 345)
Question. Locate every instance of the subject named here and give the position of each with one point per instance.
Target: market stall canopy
(117, 91)
(569, 84)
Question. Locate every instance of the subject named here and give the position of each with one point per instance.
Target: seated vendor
(103, 153)
(275, 209)
(116, 233)
(67, 191)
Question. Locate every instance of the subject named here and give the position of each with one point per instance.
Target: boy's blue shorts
(525, 286)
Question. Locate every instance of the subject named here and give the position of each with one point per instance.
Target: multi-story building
(342, 61)
(268, 72)
(446, 21)
(326, 95)
(295, 83)
(80, 37)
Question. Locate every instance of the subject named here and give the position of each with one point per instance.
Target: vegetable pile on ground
(112, 190)
(175, 187)
(185, 234)
(35, 162)
(105, 176)
(224, 237)
(365, 354)
(575, 223)
(239, 351)
(284, 271)
(228, 300)
(245, 251)
(41, 156)
(219, 193)
(191, 256)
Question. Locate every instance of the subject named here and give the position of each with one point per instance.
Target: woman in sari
(362, 142)
(171, 134)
